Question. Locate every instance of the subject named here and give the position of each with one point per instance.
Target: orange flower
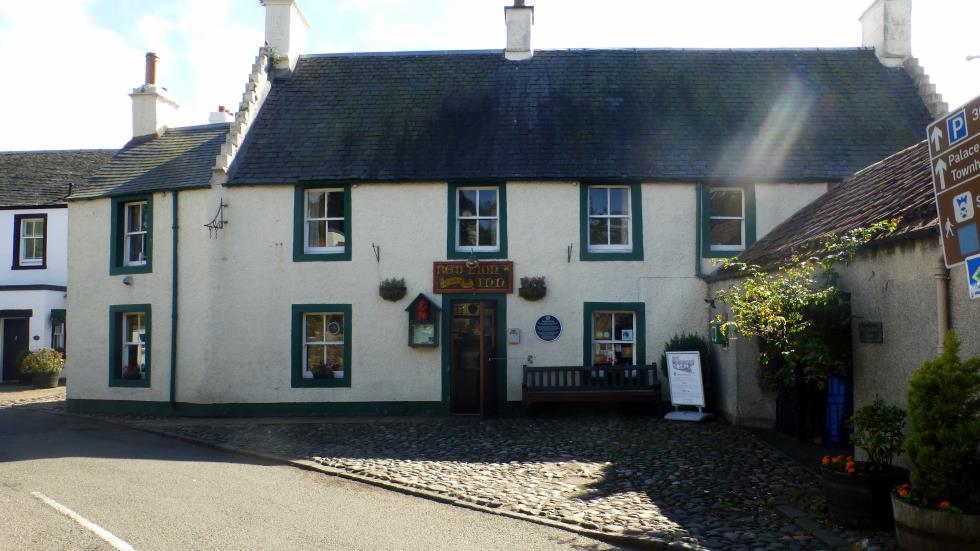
(850, 459)
(850, 468)
(944, 504)
(903, 492)
(837, 459)
(825, 460)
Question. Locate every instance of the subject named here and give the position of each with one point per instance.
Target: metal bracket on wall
(377, 252)
(569, 253)
(218, 222)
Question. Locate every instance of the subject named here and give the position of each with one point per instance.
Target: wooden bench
(603, 383)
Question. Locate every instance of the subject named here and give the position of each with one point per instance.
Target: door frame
(500, 353)
(3, 336)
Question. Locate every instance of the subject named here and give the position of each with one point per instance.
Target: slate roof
(41, 178)
(674, 115)
(899, 186)
(180, 158)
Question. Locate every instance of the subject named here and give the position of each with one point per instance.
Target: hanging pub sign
(423, 322)
(485, 276)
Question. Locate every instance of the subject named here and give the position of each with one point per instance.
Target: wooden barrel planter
(921, 529)
(45, 380)
(861, 501)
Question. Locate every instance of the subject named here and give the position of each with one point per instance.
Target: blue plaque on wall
(547, 328)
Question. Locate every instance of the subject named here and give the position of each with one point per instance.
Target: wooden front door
(474, 340)
(15, 341)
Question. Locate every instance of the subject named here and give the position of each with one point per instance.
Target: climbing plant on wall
(773, 304)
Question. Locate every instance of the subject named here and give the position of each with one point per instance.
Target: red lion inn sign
(487, 276)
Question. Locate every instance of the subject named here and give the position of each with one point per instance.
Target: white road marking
(86, 523)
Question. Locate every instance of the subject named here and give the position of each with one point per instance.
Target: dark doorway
(474, 343)
(15, 342)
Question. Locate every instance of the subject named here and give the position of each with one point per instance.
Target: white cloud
(66, 78)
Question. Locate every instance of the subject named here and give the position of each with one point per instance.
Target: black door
(15, 342)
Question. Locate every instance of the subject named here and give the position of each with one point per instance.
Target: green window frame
(638, 309)
(118, 235)
(748, 219)
(300, 313)
(117, 315)
(635, 253)
(301, 252)
(452, 220)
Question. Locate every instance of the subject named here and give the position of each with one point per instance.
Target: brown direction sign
(485, 276)
(954, 160)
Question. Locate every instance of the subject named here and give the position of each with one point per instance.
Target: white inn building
(234, 268)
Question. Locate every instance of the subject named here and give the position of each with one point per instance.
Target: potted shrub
(392, 289)
(940, 509)
(532, 288)
(859, 492)
(45, 367)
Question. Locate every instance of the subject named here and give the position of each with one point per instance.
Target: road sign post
(954, 160)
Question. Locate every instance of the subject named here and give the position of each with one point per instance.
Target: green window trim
(640, 340)
(451, 251)
(116, 233)
(636, 223)
(704, 227)
(296, 348)
(299, 230)
(115, 344)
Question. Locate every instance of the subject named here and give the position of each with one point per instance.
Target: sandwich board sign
(954, 161)
(686, 386)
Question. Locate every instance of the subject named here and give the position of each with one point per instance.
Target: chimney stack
(221, 115)
(886, 26)
(519, 19)
(285, 31)
(153, 108)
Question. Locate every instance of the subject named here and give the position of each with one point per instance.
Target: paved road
(157, 493)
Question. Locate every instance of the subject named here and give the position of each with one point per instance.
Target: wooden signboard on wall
(487, 276)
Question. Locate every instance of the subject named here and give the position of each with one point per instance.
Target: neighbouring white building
(233, 268)
(34, 247)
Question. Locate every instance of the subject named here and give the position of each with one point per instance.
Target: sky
(71, 63)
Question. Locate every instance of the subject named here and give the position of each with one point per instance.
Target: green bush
(944, 410)
(44, 361)
(878, 431)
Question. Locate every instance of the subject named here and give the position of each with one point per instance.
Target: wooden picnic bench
(600, 383)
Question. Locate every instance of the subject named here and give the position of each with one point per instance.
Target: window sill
(611, 256)
(122, 270)
(130, 383)
(483, 255)
(321, 383)
(28, 267)
(339, 256)
(722, 254)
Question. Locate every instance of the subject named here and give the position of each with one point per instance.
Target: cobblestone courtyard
(712, 484)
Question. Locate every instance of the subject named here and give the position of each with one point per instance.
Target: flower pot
(46, 380)
(922, 529)
(532, 293)
(392, 293)
(861, 500)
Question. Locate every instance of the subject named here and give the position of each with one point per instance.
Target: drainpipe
(941, 274)
(173, 311)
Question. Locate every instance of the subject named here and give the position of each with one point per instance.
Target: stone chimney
(153, 108)
(886, 26)
(221, 115)
(285, 31)
(519, 19)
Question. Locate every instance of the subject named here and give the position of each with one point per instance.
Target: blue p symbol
(956, 127)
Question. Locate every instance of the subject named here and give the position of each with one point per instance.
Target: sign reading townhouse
(954, 158)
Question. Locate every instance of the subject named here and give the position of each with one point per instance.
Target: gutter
(173, 309)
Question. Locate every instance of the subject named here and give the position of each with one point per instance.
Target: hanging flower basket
(392, 289)
(532, 288)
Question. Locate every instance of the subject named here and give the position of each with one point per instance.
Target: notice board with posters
(684, 378)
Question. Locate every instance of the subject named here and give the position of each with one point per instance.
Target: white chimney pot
(153, 108)
(285, 31)
(886, 26)
(519, 19)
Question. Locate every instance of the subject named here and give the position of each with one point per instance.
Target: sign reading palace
(487, 276)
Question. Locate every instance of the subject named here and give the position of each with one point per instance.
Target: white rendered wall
(56, 272)
(91, 290)
(236, 291)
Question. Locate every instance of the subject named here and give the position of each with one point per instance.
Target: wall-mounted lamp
(128, 280)
(472, 261)
(710, 303)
